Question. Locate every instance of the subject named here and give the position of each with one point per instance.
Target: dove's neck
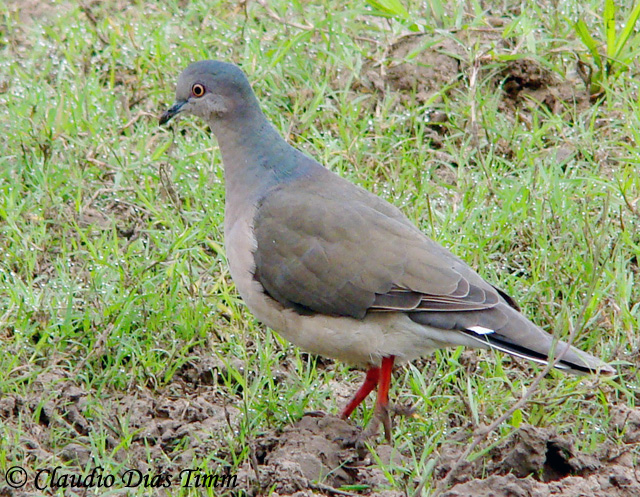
(256, 158)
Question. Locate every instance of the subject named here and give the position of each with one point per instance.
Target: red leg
(370, 382)
(384, 382)
(382, 402)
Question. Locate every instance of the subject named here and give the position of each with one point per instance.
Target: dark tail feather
(573, 360)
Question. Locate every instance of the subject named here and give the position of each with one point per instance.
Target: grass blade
(610, 27)
(390, 8)
(627, 31)
(589, 42)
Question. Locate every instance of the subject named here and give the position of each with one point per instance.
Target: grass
(113, 279)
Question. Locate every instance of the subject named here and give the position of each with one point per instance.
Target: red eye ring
(197, 90)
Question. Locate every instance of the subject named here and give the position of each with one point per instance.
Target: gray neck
(256, 158)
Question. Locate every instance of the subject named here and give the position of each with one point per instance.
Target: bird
(337, 270)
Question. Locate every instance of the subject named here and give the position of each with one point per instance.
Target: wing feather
(350, 252)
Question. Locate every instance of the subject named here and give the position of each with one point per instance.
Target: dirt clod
(311, 455)
(537, 462)
(627, 421)
(416, 64)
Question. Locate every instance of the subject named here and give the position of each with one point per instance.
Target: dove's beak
(173, 111)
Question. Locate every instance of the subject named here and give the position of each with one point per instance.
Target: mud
(316, 455)
(535, 462)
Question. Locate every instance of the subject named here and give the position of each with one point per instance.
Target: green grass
(113, 279)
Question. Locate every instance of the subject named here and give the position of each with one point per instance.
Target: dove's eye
(197, 90)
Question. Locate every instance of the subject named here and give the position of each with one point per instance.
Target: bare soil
(172, 426)
(427, 67)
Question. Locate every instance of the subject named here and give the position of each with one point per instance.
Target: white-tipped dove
(337, 270)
